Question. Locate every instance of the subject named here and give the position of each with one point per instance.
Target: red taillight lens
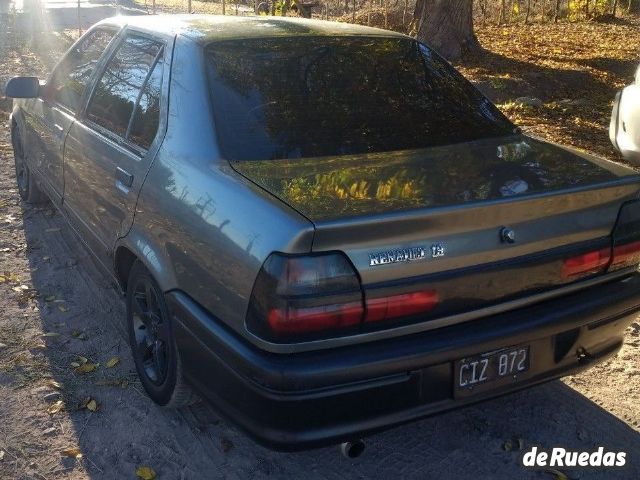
(626, 237)
(305, 295)
(586, 264)
(291, 320)
(404, 305)
(626, 255)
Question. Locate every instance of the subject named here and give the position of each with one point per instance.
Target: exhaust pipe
(352, 449)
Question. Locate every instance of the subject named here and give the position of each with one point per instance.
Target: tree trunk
(557, 14)
(526, 18)
(386, 13)
(503, 12)
(404, 13)
(446, 26)
(614, 7)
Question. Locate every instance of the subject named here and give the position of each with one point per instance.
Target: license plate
(476, 371)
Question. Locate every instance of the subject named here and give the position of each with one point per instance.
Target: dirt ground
(60, 315)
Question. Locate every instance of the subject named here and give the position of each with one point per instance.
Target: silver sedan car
(321, 228)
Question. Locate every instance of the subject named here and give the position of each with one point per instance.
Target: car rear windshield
(302, 97)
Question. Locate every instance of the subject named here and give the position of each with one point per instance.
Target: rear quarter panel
(199, 226)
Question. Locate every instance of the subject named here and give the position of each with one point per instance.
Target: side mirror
(23, 87)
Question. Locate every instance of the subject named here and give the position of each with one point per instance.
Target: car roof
(208, 28)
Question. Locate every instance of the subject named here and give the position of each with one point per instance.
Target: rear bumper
(304, 400)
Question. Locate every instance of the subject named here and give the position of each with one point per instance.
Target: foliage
(574, 68)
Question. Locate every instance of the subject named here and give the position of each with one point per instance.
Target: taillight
(586, 264)
(625, 255)
(626, 237)
(305, 295)
(397, 306)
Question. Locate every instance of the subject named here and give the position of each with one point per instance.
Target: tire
(28, 188)
(152, 342)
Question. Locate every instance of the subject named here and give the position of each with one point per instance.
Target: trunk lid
(435, 218)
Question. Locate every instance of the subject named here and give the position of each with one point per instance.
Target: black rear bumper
(297, 401)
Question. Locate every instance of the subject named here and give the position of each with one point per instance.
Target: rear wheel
(27, 187)
(154, 349)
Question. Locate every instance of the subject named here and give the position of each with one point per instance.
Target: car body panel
(48, 126)
(297, 401)
(204, 29)
(624, 128)
(209, 229)
(335, 188)
(98, 196)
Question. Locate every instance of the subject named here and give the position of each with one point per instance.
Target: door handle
(124, 177)
(58, 134)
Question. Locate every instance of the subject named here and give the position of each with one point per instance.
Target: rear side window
(147, 114)
(130, 84)
(317, 96)
(69, 80)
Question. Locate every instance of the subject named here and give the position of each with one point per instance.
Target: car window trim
(144, 84)
(82, 104)
(114, 137)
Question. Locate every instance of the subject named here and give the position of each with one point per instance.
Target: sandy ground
(58, 309)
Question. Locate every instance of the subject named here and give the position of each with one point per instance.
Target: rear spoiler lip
(439, 322)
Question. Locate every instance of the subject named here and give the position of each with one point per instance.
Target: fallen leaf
(557, 474)
(62, 308)
(86, 368)
(145, 473)
(73, 452)
(54, 384)
(49, 298)
(112, 362)
(92, 405)
(1, 455)
(51, 334)
(75, 364)
(76, 333)
(56, 407)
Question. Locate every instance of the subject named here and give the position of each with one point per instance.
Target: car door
(624, 129)
(49, 118)
(110, 148)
